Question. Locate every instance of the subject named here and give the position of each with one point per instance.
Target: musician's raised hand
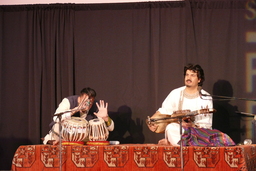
(103, 110)
(84, 104)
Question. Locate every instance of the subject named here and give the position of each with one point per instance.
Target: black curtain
(132, 54)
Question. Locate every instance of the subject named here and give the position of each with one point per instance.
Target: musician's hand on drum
(103, 110)
(53, 142)
(56, 142)
(164, 142)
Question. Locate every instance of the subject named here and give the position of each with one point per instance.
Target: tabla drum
(74, 129)
(98, 130)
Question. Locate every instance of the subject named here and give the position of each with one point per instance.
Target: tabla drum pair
(76, 130)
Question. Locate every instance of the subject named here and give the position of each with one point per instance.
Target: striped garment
(205, 137)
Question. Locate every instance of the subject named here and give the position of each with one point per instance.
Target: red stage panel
(134, 157)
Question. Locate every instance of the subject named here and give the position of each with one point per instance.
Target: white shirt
(176, 99)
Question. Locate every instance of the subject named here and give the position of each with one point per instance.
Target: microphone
(221, 98)
(61, 113)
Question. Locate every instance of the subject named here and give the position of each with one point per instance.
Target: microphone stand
(60, 142)
(59, 116)
(181, 145)
(180, 118)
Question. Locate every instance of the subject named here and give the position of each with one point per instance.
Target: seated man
(189, 97)
(79, 106)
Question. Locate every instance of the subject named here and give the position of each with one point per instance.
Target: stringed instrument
(162, 120)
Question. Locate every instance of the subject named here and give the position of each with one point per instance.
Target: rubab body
(162, 120)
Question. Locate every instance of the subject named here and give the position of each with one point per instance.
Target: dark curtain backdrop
(132, 54)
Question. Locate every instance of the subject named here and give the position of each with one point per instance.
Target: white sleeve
(64, 106)
(171, 103)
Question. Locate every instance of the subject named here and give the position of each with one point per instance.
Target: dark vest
(73, 101)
